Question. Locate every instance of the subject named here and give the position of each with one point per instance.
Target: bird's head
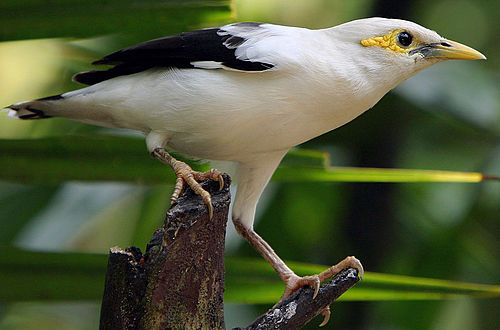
(398, 46)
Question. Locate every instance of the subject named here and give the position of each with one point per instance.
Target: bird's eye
(405, 39)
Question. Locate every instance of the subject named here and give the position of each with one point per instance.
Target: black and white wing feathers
(239, 47)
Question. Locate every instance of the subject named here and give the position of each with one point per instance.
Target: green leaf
(89, 158)
(365, 174)
(254, 281)
(118, 158)
(35, 276)
(138, 20)
(50, 276)
(305, 158)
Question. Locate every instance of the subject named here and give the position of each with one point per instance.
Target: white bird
(247, 93)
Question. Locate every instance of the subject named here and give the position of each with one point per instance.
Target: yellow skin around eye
(389, 41)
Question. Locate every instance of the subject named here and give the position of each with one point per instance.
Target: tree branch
(179, 281)
(300, 308)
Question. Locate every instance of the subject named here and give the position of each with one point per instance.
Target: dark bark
(179, 281)
(300, 308)
(124, 288)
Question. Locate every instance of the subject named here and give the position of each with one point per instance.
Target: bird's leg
(292, 281)
(252, 178)
(185, 174)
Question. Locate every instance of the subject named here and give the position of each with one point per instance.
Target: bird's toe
(295, 282)
(186, 175)
(350, 261)
(326, 315)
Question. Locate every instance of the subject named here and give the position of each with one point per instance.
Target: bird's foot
(294, 282)
(186, 175)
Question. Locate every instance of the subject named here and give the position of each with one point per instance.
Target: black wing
(179, 51)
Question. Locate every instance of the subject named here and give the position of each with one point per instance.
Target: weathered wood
(186, 276)
(123, 290)
(300, 308)
(179, 282)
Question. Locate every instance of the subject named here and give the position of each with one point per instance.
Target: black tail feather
(96, 76)
(49, 98)
(31, 109)
(34, 114)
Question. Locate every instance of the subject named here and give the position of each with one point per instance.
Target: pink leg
(292, 281)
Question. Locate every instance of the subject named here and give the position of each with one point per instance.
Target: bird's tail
(35, 109)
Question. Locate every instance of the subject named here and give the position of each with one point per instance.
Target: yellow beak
(453, 50)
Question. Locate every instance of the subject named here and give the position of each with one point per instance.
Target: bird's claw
(185, 174)
(294, 282)
(350, 261)
(326, 315)
(212, 174)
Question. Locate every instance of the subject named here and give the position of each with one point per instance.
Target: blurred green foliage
(445, 118)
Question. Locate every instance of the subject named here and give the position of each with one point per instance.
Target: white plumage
(248, 92)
